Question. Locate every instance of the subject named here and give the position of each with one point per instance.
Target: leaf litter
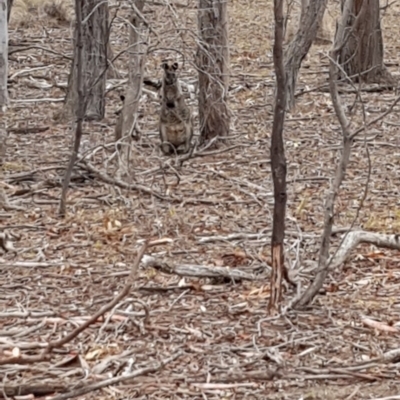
(215, 210)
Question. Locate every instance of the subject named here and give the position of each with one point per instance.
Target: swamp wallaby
(176, 127)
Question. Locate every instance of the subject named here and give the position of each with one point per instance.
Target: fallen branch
(266, 233)
(379, 326)
(113, 181)
(107, 307)
(30, 264)
(5, 203)
(199, 271)
(46, 389)
(15, 49)
(366, 89)
(22, 359)
(118, 379)
(143, 189)
(27, 129)
(353, 239)
(37, 390)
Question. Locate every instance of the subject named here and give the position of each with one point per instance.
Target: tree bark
(3, 92)
(362, 55)
(95, 32)
(9, 6)
(137, 51)
(81, 93)
(213, 68)
(3, 53)
(278, 164)
(341, 167)
(298, 48)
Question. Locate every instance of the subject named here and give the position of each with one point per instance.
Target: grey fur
(176, 127)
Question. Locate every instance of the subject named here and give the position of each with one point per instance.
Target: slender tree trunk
(3, 53)
(362, 55)
(295, 12)
(341, 167)
(213, 67)
(137, 56)
(298, 48)
(95, 42)
(9, 6)
(278, 164)
(3, 92)
(81, 93)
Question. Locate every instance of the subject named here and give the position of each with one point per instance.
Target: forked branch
(324, 261)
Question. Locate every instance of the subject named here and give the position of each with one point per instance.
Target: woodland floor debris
(66, 270)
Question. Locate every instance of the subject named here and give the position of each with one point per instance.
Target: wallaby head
(170, 72)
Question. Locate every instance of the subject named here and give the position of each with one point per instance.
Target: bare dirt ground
(66, 269)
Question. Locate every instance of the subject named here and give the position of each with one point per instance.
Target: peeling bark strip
(213, 66)
(94, 49)
(278, 164)
(362, 55)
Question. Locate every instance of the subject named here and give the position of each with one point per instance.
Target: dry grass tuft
(24, 13)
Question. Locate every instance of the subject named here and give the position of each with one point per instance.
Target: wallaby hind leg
(166, 147)
(189, 135)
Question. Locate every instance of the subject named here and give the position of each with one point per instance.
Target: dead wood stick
(266, 233)
(199, 271)
(15, 49)
(24, 359)
(38, 389)
(44, 389)
(177, 5)
(105, 308)
(340, 371)
(118, 379)
(28, 129)
(391, 356)
(353, 239)
(108, 179)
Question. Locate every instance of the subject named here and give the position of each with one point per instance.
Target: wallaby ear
(175, 65)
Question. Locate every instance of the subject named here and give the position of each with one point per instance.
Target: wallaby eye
(175, 65)
(164, 66)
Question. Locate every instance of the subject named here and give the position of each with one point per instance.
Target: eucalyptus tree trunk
(81, 97)
(137, 56)
(213, 68)
(362, 55)
(95, 36)
(3, 93)
(278, 166)
(310, 20)
(9, 6)
(3, 53)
